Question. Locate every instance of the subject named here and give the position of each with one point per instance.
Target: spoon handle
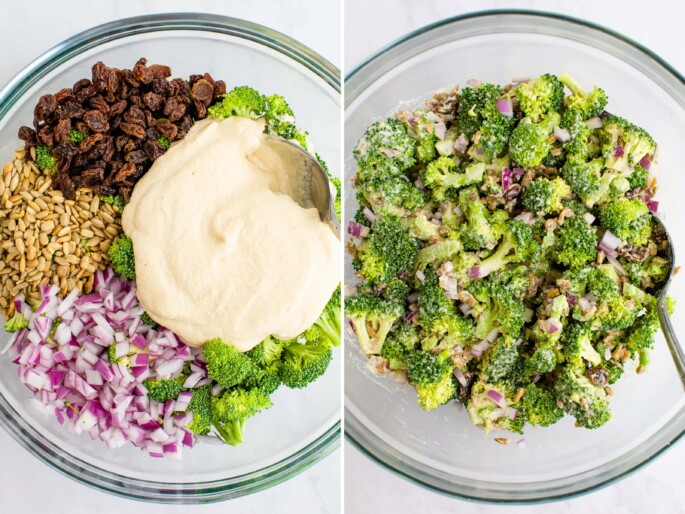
(673, 345)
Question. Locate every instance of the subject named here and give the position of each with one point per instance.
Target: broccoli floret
(477, 232)
(164, 389)
(266, 353)
(627, 219)
(226, 365)
(646, 274)
(422, 228)
(620, 313)
(437, 314)
(540, 407)
(431, 396)
(442, 175)
(624, 144)
(530, 142)
(305, 359)
(581, 398)
(578, 347)
(518, 245)
(76, 136)
(232, 409)
(496, 128)
(16, 323)
(45, 160)
(426, 368)
(576, 242)
(486, 411)
(385, 149)
(500, 359)
(640, 335)
(500, 304)
(393, 195)
(544, 195)
(201, 408)
(468, 118)
(240, 101)
(280, 119)
(387, 252)
(115, 200)
(580, 148)
(583, 178)
(122, 258)
(329, 320)
(421, 127)
(164, 142)
(601, 286)
(147, 320)
(372, 318)
(437, 253)
(396, 291)
(539, 96)
(587, 103)
(638, 178)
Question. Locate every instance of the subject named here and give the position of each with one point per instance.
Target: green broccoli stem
(231, 432)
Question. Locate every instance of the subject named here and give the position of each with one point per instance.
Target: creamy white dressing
(220, 251)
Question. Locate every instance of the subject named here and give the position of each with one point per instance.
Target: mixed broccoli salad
(507, 252)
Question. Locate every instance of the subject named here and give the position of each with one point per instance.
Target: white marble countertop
(369, 26)
(29, 29)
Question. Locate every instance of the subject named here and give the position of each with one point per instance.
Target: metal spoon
(320, 192)
(677, 351)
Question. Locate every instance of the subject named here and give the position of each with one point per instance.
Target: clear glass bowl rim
(18, 428)
(378, 450)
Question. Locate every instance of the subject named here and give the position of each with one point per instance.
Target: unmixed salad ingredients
(507, 252)
(83, 343)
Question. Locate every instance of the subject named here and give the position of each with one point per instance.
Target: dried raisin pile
(106, 132)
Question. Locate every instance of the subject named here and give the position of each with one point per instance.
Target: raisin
(118, 108)
(99, 103)
(62, 182)
(153, 101)
(125, 171)
(96, 121)
(132, 130)
(174, 108)
(203, 91)
(28, 136)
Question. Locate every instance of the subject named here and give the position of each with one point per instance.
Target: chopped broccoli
(477, 232)
(164, 389)
(280, 119)
(241, 101)
(432, 395)
(76, 136)
(305, 360)
(627, 219)
(16, 323)
(500, 304)
(576, 242)
(122, 257)
(372, 318)
(583, 178)
(45, 160)
(200, 406)
(387, 251)
(624, 144)
(164, 142)
(385, 149)
(500, 359)
(232, 408)
(437, 253)
(587, 103)
(147, 320)
(267, 352)
(601, 286)
(581, 398)
(426, 368)
(544, 195)
(531, 142)
(226, 365)
(539, 96)
(441, 176)
(421, 128)
(115, 200)
(578, 347)
(540, 407)
(391, 195)
(518, 245)
(329, 320)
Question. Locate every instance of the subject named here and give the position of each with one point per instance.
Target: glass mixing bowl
(304, 425)
(441, 449)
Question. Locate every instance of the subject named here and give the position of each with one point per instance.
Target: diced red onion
(526, 216)
(357, 230)
(421, 276)
(553, 325)
(589, 217)
(618, 151)
(609, 242)
(465, 308)
(653, 206)
(473, 82)
(571, 299)
(594, 123)
(461, 143)
(506, 178)
(511, 412)
(496, 397)
(459, 375)
(474, 272)
(619, 267)
(369, 214)
(505, 107)
(561, 134)
(646, 163)
(411, 316)
(440, 131)
(519, 171)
